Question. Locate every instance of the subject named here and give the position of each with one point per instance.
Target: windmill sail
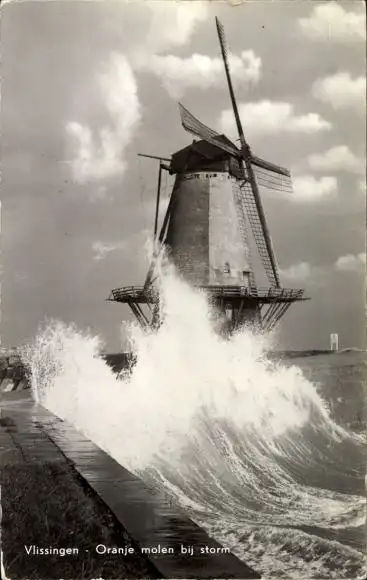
(269, 180)
(225, 51)
(252, 213)
(257, 220)
(197, 128)
(271, 176)
(267, 166)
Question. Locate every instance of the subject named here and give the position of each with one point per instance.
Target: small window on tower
(227, 268)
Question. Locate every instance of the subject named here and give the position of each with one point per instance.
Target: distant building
(334, 341)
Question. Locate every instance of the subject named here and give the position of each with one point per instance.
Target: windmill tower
(205, 230)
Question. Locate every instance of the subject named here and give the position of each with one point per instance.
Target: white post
(334, 342)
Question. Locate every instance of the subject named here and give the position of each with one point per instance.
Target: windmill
(215, 197)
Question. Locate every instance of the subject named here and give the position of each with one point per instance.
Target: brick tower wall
(188, 231)
(204, 233)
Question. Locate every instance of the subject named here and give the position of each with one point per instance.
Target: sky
(85, 86)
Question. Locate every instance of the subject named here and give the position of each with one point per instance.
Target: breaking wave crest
(248, 447)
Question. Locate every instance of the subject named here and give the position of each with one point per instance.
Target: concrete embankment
(51, 518)
(161, 535)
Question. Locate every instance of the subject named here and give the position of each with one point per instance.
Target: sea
(268, 456)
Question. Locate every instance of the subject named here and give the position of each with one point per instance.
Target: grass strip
(50, 505)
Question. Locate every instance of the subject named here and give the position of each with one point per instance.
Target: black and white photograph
(183, 289)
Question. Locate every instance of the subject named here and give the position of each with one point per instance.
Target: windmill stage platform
(30, 434)
(271, 302)
(139, 294)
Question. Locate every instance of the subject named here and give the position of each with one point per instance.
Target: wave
(246, 445)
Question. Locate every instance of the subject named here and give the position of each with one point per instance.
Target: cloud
(304, 271)
(99, 194)
(173, 23)
(351, 263)
(200, 71)
(272, 117)
(298, 272)
(307, 188)
(101, 249)
(100, 154)
(331, 22)
(339, 158)
(341, 91)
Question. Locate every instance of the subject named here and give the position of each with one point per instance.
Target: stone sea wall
(13, 376)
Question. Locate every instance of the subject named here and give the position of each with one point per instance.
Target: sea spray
(184, 371)
(232, 437)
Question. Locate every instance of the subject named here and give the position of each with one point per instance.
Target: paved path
(147, 516)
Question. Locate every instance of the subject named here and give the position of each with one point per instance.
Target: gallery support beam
(158, 200)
